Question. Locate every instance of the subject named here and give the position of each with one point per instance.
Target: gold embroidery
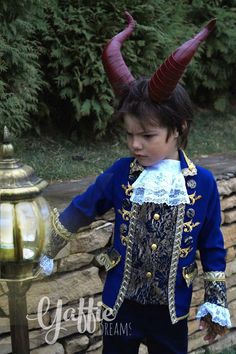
(128, 189)
(174, 264)
(191, 170)
(125, 214)
(193, 198)
(128, 260)
(189, 225)
(185, 251)
(135, 167)
(124, 240)
(59, 229)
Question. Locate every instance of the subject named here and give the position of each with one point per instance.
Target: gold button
(156, 216)
(113, 262)
(148, 274)
(154, 247)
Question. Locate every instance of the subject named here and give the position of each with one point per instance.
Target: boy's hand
(213, 328)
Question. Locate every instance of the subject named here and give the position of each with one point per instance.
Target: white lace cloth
(161, 183)
(218, 313)
(46, 265)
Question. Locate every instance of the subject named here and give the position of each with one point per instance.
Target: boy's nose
(136, 144)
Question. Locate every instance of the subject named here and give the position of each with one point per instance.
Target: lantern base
(15, 272)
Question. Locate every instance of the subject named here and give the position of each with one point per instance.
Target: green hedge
(50, 57)
(20, 76)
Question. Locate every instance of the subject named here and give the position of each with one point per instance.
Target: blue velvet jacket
(197, 227)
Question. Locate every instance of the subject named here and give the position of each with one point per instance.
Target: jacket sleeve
(82, 210)
(212, 253)
(96, 200)
(211, 242)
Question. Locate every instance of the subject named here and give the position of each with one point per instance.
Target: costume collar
(187, 166)
(135, 167)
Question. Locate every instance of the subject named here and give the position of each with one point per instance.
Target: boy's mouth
(139, 156)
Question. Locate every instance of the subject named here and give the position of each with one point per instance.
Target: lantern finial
(6, 135)
(7, 149)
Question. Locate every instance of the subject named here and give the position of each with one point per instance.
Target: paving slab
(223, 166)
(59, 194)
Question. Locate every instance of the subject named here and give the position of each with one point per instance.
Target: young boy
(165, 209)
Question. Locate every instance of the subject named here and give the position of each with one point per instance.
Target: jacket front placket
(189, 171)
(129, 214)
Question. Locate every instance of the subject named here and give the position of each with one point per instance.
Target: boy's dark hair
(176, 112)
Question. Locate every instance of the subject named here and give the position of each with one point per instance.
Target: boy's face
(149, 144)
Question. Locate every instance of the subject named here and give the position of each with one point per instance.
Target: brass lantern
(24, 229)
(24, 215)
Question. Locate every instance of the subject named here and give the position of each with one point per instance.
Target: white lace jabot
(161, 183)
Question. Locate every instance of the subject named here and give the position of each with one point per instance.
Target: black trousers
(148, 324)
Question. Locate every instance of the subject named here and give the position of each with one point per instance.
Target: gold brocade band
(59, 229)
(214, 276)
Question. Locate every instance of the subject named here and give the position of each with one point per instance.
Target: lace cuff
(219, 314)
(46, 264)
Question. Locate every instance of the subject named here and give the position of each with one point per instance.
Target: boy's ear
(176, 133)
(184, 127)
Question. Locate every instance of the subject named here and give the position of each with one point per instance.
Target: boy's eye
(146, 136)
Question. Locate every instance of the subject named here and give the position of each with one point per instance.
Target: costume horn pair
(165, 79)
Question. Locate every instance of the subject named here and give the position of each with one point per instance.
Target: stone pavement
(59, 194)
(223, 166)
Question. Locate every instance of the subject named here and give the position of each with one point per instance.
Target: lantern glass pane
(27, 221)
(45, 213)
(6, 226)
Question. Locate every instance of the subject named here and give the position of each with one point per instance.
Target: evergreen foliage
(20, 77)
(75, 37)
(211, 78)
(51, 74)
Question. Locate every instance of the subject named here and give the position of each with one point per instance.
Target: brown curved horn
(113, 62)
(165, 79)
